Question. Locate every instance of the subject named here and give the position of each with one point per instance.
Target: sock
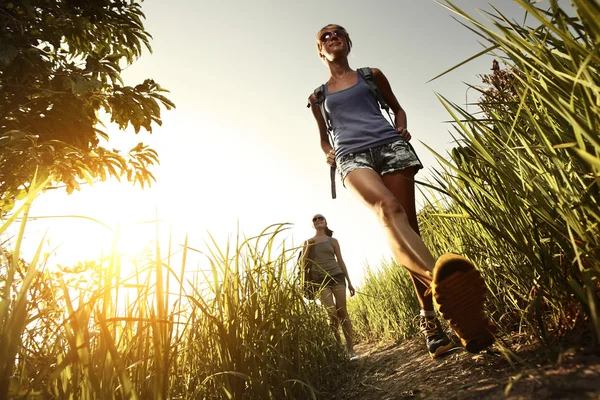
(428, 314)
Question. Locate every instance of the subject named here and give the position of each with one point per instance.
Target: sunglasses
(326, 36)
(319, 218)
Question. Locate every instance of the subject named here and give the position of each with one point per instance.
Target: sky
(241, 150)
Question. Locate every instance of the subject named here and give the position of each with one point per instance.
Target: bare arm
(342, 264)
(324, 137)
(388, 95)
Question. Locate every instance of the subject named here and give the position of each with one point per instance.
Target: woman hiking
(377, 164)
(329, 272)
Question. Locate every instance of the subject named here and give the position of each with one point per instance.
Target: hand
(404, 133)
(331, 158)
(351, 289)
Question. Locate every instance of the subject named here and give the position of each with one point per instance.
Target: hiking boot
(460, 293)
(436, 339)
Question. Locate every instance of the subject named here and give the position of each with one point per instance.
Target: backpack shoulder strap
(367, 74)
(319, 93)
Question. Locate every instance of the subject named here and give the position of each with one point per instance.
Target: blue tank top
(356, 119)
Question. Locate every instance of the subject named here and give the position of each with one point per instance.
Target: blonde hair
(335, 26)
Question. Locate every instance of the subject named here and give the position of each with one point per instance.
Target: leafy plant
(60, 65)
(521, 187)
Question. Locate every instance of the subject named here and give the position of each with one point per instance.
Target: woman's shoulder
(378, 75)
(313, 98)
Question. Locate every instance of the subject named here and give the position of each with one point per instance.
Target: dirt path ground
(406, 372)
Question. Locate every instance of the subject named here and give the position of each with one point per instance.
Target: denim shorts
(389, 157)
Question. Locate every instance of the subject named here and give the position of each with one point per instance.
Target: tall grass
(386, 305)
(236, 329)
(14, 301)
(521, 194)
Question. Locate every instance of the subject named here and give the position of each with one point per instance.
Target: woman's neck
(320, 232)
(339, 68)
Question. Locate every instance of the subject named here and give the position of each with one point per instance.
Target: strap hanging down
(320, 96)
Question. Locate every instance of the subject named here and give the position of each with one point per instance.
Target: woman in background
(322, 254)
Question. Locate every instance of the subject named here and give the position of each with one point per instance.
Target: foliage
(156, 328)
(16, 310)
(60, 67)
(521, 195)
(386, 305)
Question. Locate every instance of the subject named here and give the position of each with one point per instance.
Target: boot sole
(443, 350)
(460, 293)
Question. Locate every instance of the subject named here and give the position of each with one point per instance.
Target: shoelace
(429, 326)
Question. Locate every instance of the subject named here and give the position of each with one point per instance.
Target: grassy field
(151, 329)
(518, 195)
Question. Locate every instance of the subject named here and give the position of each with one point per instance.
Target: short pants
(389, 157)
(333, 280)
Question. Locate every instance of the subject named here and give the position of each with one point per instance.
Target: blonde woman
(377, 163)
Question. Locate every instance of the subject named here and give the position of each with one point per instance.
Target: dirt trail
(406, 372)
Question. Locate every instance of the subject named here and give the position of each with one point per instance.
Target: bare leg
(339, 292)
(405, 243)
(459, 288)
(472, 326)
(328, 300)
(402, 186)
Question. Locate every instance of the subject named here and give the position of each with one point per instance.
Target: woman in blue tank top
(329, 271)
(378, 165)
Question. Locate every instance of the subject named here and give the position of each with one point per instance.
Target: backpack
(309, 287)
(367, 74)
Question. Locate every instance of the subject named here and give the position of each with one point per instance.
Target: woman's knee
(333, 314)
(334, 319)
(389, 208)
(342, 313)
